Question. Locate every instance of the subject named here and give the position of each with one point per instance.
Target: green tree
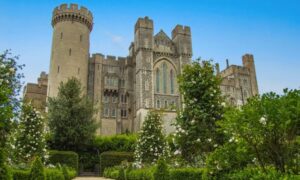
(30, 137)
(151, 142)
(37, 170)
(268, 125)
(196, 129)
(161, 170)
(71, 117)
(10, 85)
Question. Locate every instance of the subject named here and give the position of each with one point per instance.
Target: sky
(221, 29)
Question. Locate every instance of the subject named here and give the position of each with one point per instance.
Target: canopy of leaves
(71, 117)
(268, 125)
(202, 107)
(10, 85)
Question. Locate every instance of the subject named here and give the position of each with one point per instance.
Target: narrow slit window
(61, 35)
(70, 52)
(81, 38)
(57, 69)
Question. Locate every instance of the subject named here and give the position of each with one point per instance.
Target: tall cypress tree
(71, 117)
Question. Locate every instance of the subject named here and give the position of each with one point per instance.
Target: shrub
(68, 158)
(20, 174)
(112, 158)
(136, 174)
(5, 172)
(257, 173)
(54, 174)
(161, 171)
(89, 157)
(186, 173)
(111, 172)
(37, 170)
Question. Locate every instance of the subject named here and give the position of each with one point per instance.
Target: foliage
(230, 156)
(37, 170)
(186, 173)
(143, 174)
(258, 174)
(151, 142)
(10, 84)
(30, 138)
(5, 172)
(111, 172)
(121, 142)
(20, 174)
(50, 174)
(54, 174)
(111, 158)
(196, 129)
(161, 171)
(67, 158)
(71, 117)
(267, 125)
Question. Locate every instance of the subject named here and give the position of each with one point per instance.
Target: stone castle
(125, 88)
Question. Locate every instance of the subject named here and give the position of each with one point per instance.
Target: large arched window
(157, 80)
(165, 77)
(172, 81)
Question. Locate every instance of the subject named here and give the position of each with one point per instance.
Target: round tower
(70, 46)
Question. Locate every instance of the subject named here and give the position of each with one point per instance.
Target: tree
(70, 116)
(37, 170)
(196, 129)
(30, 137)
(10, 85)
(151, 142)
(268, 125)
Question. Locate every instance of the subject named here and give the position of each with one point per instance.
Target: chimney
(227, 63)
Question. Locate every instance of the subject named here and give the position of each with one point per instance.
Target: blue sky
(269, 29)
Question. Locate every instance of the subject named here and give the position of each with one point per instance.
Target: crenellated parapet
(181, 30)
(72, 13)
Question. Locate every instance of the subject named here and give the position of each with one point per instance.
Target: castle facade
(124, 89)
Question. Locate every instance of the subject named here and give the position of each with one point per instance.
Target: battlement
(115, 58)
(145, 23)
(183, 30)
(248, 57)
(72, 12)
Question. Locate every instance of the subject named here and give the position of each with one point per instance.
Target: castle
(125, 88)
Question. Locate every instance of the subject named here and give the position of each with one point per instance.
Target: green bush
(20, 174)
(54, 174)
(111, 172)
(37, 170)
(161, 171)
(112, 158)
(140, 174)
(5, 172)
(120, 142)
(255, 173)
(68, 158)
(186, 174)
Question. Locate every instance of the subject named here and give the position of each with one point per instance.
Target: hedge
(186, 173)
(147, 173)
(68, 158)
(50, 174)
(113, 158)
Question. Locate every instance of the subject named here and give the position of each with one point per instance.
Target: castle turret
(143, 50)
(181, 36)
(248, 62)
(70, 46)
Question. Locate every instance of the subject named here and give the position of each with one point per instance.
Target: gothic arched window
(157, 80)
(165, 77)
(172, 81)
